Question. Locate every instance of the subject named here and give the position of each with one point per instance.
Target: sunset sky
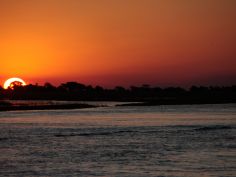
(119, 42)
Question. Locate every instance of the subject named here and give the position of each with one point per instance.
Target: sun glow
(10, 83)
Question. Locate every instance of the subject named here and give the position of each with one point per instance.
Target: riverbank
(16, 105)
(175, 102)
(6, 106)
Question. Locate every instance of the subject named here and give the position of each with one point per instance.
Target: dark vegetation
(146, 94)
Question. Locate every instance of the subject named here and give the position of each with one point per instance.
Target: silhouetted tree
(73, 86)
(49, 87)
(156, 95)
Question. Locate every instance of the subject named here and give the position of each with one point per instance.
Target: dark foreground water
(165, 141)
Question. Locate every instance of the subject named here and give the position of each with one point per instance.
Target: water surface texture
(165, 141)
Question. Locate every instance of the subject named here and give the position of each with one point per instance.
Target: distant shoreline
(161, 104)
(6, 106)
(176, 102)
(44, 107)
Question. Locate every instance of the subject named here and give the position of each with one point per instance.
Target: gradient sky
(119, 42)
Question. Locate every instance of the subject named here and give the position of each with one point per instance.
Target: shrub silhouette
(78, 91)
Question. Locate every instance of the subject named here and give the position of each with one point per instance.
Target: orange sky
(119, 42)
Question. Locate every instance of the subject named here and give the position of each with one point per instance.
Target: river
(155, 141)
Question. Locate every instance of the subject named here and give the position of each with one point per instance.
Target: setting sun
(12, 82)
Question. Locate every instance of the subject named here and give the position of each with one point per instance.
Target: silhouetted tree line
(155, 95)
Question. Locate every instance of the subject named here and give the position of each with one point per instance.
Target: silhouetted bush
(78, 91)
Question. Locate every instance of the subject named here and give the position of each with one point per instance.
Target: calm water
(165, 141)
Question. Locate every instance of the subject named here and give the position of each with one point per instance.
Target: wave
(95, 134)
(215, 127)
(3, 139)
(173, 129)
